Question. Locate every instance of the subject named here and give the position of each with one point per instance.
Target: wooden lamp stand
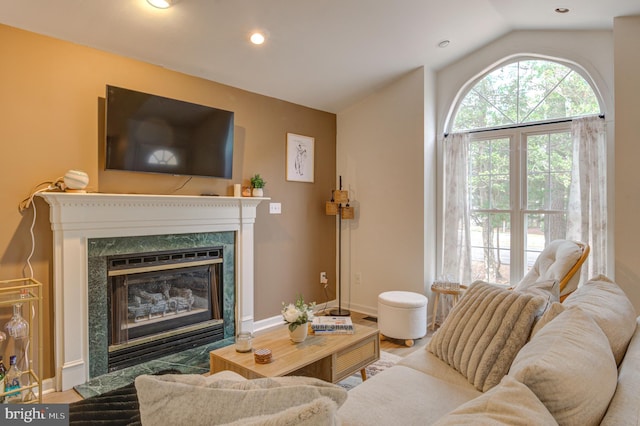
(339, 206)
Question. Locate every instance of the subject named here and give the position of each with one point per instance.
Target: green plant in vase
(257, 183)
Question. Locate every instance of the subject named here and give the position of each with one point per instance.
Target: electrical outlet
(358, 278)
(323, 277)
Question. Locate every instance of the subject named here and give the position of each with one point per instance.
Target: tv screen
(149, 133)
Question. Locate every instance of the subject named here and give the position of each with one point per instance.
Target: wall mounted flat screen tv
(149, 133)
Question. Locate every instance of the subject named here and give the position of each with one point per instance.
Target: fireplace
(162, 303)
(85, 227)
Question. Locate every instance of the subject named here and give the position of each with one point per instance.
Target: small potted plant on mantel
(257, 183)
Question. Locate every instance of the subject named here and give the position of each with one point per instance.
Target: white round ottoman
(402, 315)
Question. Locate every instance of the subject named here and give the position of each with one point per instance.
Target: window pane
(524, 92)
(489, 174)
(548, 171)
(491, 247)
(540, 230)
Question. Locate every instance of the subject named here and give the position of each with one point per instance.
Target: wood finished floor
(395, 347)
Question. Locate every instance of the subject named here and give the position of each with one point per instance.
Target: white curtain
(456, 257)
(587, 219)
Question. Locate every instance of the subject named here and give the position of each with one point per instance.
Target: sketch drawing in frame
(300, 158)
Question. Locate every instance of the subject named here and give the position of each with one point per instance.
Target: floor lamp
(339, 206)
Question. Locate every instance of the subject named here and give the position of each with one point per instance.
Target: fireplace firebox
(162, 303)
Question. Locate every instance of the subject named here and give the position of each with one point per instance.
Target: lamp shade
(160, 4)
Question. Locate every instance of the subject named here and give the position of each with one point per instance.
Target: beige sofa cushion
(624, 408)
(610, 307)
(219, 401)
(484, 331)
(570, 368)
(510, 403)
(427, 363)
(403, 396)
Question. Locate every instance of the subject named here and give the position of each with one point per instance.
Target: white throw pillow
(484, 332)
(549, 289)
(211, 401)
(610, 307)
(510, 403)
(570, 367)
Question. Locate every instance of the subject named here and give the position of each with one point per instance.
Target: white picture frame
(300, 158)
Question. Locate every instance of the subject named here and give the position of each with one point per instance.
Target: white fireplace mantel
(78, 217)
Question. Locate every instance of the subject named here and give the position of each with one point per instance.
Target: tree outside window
(520, 162)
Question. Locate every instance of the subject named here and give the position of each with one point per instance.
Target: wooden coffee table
(328, 357)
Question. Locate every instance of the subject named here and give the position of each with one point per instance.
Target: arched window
(526, 91)
(519, 161)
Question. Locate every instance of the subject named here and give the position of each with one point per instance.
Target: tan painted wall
(382, 148)
(51, 101)
(626, 32)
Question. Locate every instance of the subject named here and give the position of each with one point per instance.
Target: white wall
(590, 50)
(382, 149)
(627, 154)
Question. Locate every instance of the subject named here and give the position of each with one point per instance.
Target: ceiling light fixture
(562, 10)
(257, 38)
(443, 44)
(160, 4)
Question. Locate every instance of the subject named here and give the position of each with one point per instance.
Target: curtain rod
(522, 125)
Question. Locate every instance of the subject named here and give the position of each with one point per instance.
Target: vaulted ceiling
(324, 54)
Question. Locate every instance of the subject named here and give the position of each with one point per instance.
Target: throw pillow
(319, 412)
(553, 366)
(510, 403)
(610, 307)
(484, 332)
(549, 289)
(214, 401)
(552, 311)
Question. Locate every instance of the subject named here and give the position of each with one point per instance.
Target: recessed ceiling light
(562, 10)
(444, 43)
(257, 38)
(160, 4)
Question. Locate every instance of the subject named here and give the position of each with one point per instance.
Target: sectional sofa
(578, 365)
(501, 357)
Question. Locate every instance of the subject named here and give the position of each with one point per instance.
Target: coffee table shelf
(328, 357)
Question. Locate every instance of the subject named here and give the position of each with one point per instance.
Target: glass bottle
(12, 381)
(3, 373)
(3, 341)
(18, 328)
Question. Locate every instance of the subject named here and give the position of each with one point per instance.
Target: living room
(53, 100)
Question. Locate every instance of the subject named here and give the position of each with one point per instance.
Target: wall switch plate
(275, 208)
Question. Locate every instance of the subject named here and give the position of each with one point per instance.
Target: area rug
(386, 360)
(117, 407)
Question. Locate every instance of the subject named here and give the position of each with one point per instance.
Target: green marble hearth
(194, 360)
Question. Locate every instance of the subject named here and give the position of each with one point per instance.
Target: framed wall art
(300, 158)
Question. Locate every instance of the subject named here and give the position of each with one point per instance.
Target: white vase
(257, 192)
(299, 334)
